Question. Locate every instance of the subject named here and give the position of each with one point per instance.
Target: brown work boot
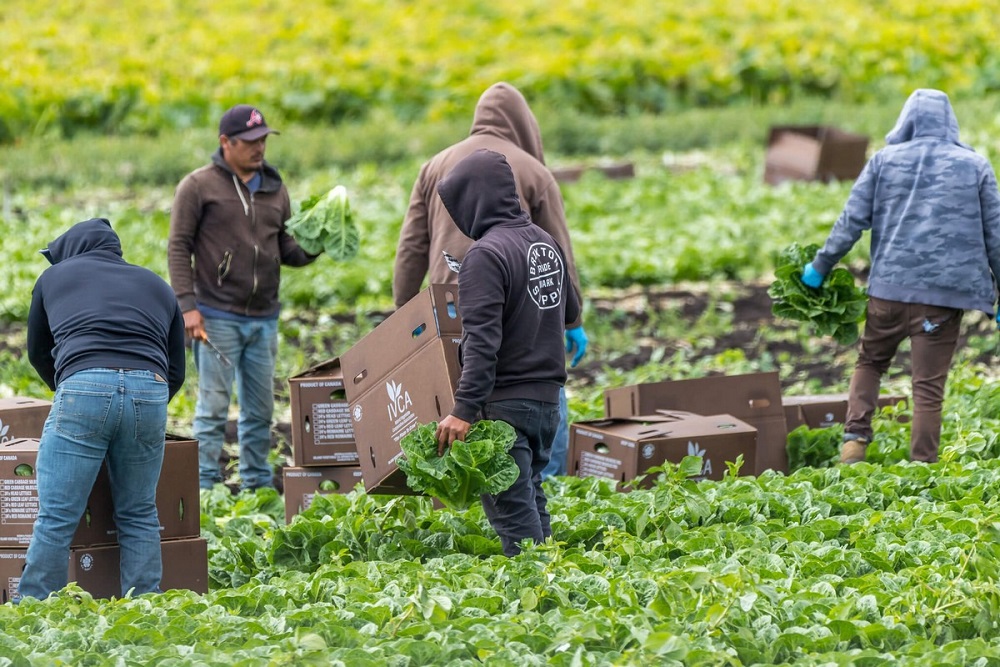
(853, 451)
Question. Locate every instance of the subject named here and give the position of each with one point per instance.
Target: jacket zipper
(251, 212)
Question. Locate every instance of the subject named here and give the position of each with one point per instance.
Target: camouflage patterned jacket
(933, 209)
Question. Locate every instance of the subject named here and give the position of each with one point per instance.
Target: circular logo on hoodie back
(545, 275)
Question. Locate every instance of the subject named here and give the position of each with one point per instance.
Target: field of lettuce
(885, 562)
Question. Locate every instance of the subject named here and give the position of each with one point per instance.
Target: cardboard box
(402, 374)
(97, 570)
(322, 434)
(11, 566)
(813, 153)
(824, 410)
(623, 448)
(22, 417)
(301, 484)
(177, 496)
(754, 398)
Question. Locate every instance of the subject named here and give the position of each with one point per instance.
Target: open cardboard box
(322, 434)
(754, 398)
(623, 448)
(22, 417)
(813, 153)
(824, 410)
(402, 374)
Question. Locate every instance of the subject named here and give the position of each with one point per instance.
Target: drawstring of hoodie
(239, 191)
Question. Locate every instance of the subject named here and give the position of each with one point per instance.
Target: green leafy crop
(835, 309)
(481, 464)
(326, 224)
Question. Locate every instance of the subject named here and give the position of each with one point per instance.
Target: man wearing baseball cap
(227, 244)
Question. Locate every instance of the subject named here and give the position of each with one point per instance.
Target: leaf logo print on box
(694, 449)
(399, 399)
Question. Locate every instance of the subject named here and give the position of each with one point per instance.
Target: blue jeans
(560, 443)
(252, 347)
(100, 414)
(520, 511)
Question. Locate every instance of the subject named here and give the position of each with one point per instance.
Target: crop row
(142, 66)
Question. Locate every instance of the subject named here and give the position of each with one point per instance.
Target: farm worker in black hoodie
(515, 298)
(108, 337)
(430, 245)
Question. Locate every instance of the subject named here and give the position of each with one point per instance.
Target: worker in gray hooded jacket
(933, 209)
(430, 245)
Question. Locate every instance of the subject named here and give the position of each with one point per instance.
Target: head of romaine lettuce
(468, 469)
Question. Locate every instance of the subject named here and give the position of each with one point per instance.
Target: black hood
(93, 234)
(479, 192)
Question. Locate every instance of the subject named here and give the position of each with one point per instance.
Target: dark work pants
(933, 333)
(519, 512)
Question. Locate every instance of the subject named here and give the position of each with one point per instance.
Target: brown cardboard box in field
(402, 374)
(321, 418)
(623, 448)
(22, 417)
(754, 398)
(301, 484)
(813, 153)
(11, 565)
(97, 569)
(824, 410)
(177, 496)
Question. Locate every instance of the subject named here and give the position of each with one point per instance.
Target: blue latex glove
(811, 277)
(576, 339)
(998, 319)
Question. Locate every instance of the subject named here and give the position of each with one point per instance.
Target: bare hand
(194, 325)
(450, 429)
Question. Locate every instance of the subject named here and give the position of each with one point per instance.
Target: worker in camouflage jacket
(933, 209)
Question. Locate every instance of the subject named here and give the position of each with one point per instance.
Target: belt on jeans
(155, 375)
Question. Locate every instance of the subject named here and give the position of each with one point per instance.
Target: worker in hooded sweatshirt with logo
(515, 298)
(430, 245)
(933, 209)
(108, 337)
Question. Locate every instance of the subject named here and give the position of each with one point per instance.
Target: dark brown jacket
(502, 123)
(226, 246)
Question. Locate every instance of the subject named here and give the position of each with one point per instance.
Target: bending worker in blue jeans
(108, 337)
(515, 298)
(933, 209)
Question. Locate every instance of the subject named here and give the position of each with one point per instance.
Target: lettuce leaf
(480, 464)
(835, 309)
(326, 223)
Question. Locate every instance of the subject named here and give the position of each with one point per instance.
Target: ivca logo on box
(399, 399)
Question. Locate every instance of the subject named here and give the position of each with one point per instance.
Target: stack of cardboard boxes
(323, 448)
(94, 552)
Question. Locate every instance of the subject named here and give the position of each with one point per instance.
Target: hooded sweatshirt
(92, 309)
(514, 295)
(236, 239)
(933, 209)
(503, 123)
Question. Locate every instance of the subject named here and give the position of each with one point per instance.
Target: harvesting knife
(223, 358)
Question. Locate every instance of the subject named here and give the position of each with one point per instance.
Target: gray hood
(926, 114)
